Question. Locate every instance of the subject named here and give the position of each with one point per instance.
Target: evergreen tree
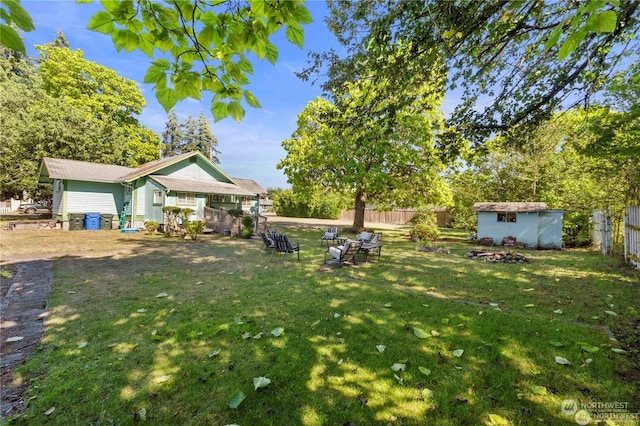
(206, 139)
(172, 136)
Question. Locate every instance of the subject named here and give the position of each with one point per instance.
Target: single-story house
(531, 223)
(251, 205)
(188, 180)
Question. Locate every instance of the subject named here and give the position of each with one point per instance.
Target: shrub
(424, 226)
(247, 227)
(576, 229)
(151, 227)
(193, 228)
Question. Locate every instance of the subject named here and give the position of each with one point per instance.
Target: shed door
(550, 230)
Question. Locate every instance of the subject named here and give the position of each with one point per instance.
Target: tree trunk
(358, 217)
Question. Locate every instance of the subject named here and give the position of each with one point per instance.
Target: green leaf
(561, 360)
(14, 339)
(146, 44)
(553, 37)
(539, 390)
(498, 420)
(11, 39)
(604, 22)
(260, 382)
(166, 97)
(424, 370)
(155, 75)
(421, 334)
(295, 35)
(444, 321)
(128, 40)
(613, 314)
(272, 53)
(458, 352)
(219, 111)
(19, 16)
(235, 110)
(210, 18)
(236, 400)
(277, 332)
(215, 353)
(588, 348)
(302, 15)
(381, 348)
(618, 350)
(101, 22)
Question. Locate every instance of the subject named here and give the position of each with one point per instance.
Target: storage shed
(531, 223)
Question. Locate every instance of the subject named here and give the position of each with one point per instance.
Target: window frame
(158, 197)
(507, 217)
(185, 198)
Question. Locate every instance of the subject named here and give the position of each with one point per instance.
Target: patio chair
(374, 246)
(330, 234)
(267, 242)
(364, 236)
(284, 246)
(343, 254)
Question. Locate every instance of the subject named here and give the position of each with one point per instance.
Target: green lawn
(169, 331)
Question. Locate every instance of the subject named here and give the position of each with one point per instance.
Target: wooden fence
(601, 234)
(632, 235)
(395, 217)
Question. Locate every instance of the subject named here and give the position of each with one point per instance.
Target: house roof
(148, 168)
(202, 186)
(250, 185)
(57, 168)
(531, 207)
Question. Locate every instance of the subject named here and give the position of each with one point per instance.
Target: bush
(576, 229)
(321, 206)
(247, 227)
(424, 226)
(193, 228)
(151, 227)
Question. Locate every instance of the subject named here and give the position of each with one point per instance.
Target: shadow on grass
(170, 331)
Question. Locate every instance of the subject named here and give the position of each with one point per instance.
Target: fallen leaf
(159, 295)
(398, 366)
(588, 348)
(14, 339)
(277, 331)
(142, 414)
(558, 311)
(427, 393)
(258, 336)
(497, 420)
(561, 360)
(618, 350)
(420, 333)
(529, 305)
(493, 305)
(141, 310)
(238, 321)
(556, 343)
(163, 379)
(424, 370)
(381, 348)
(336, 315)
(539, 390)
(425, 305)
(613, 314)
(340, 361)
(528, 289)
(49, 411)
(434, 333)
(215, 353)
(444, 321)
(82, 345)
(399, 379)
(458, 352)
(260, 382)
(387, 305)
(236, 400)
(246, 336)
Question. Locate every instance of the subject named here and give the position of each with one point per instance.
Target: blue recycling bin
(92, 221)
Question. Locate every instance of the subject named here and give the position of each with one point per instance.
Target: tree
(70, 116)
(517, 62)
(179, 35)
(388, 160)
(206, 139)
(191, 135)
(172, 136)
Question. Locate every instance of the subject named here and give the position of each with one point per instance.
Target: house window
(58, 185)
(187, 198)
(158, 197)
(506, 217)
(246, 201)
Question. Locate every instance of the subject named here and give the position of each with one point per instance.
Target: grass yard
(213, 333)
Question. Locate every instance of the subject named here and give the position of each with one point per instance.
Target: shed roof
(57, 168)
(530, 207)
(201, 186)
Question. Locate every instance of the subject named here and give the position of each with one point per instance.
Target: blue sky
(249, 149)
